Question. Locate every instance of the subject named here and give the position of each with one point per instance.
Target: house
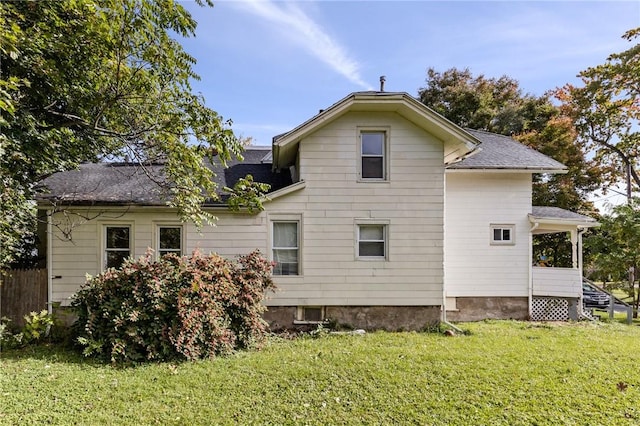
(382, 214)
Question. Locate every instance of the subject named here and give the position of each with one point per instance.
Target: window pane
(371, 232)
(285, 255)
(118, 237)
(170, 238)
(371, 249)
(372, 143)
(372, 167)
(286, 263)
(115, 258)
(497, 234)
(506, 235)
(312, 314)
(285, 234)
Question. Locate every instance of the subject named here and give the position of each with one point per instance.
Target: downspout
(530, 284)
(49, 262)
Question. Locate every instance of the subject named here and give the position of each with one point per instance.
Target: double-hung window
(372, 241)
(373, 150)
(286, 247)
(117, 245)
(169, 240)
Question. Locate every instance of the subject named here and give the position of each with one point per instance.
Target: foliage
(247, 193)
(93, 80)
(37, 326)
(495, 105)
(174, 308)
(504, 373)
(606, 112)
(615, 246)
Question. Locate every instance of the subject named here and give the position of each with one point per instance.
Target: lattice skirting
(550, 309)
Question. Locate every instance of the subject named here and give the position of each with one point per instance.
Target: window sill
(362, 180)
(301, 322)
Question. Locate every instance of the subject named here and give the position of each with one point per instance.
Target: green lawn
(506, 373)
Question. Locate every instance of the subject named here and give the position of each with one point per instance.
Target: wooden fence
(22, 291)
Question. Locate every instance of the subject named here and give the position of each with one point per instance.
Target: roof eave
(401, 103)
(505, 170)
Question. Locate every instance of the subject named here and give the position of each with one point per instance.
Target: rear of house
(382, 214)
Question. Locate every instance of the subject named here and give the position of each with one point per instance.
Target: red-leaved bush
(187, 307)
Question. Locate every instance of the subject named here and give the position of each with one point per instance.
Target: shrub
(187, 307)
(37, 326)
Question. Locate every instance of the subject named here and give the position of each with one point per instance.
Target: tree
(606, 113)
(495, 105)
(616, 256)
(94, 80)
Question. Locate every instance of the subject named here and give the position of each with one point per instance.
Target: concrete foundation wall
(390, 318)
(480, 308)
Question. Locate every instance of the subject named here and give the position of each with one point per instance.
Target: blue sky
(269, 66)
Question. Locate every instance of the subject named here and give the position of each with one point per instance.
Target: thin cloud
(301, 29)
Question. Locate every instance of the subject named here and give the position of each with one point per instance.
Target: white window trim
(156, 236)
(510, 226)
(102, 254)
(379, 222)
(386, 160)
(287, 217)
(300, 315)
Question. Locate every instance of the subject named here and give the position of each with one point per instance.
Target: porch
(556, 287)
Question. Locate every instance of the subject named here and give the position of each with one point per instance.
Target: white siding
(410, 204)
(474, 201)
(71, 260)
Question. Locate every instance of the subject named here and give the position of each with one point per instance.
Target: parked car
(593, 297)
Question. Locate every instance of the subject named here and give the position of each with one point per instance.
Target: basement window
(310, 315)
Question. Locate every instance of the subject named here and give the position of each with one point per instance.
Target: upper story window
(285, 247)
(373, 155)
(169, 240)
(372, 241)
(503, 234)
(117, 245)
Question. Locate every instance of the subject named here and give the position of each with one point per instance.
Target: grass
(503, 373)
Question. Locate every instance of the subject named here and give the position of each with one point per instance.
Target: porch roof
(554, 219)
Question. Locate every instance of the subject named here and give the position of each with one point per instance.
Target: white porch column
(574, 248)
(580, 252)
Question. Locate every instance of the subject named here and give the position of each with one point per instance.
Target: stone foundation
(481, 308)
(390, 318)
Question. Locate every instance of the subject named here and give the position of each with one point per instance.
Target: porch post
(574, 247)
(580, 254)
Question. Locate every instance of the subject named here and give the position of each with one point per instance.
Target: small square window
(502, 234)
(372, 241)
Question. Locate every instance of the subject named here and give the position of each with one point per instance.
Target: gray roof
(540, 212)
(502, 152)
(127, 183)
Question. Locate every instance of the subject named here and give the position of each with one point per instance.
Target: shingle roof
(542, 212)
(502, 152)
(126, 183)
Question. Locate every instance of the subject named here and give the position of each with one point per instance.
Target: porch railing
(558, 282)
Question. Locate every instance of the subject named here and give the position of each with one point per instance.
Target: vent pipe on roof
(382, 80)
